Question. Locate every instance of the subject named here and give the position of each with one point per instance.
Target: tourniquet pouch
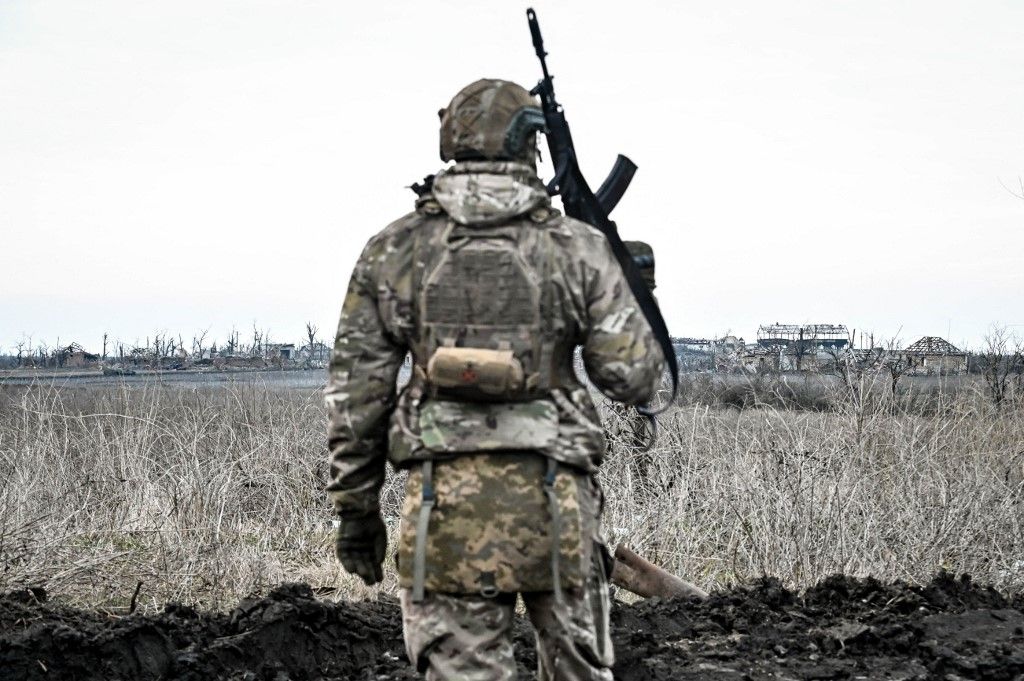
(476, 372)
(490, 529)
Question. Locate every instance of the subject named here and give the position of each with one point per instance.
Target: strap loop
(556, 529)
(419, 559)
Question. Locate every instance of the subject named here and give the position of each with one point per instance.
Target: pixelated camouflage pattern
(491, 527)
(581, 298)
(468, 636)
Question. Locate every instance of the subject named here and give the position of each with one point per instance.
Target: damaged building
(795, 347)
(935, 356)
(706, 354)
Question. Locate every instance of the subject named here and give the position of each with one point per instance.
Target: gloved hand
(360, 545)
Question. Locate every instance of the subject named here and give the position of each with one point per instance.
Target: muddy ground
(843, 628)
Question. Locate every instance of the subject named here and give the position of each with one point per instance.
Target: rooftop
(933, 345)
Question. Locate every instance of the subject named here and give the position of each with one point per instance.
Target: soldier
(490, 289)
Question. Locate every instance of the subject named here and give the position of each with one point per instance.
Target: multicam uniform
(490, 289)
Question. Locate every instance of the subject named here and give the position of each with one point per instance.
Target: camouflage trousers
(469, 637)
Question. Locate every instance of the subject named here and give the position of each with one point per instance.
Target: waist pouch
(490, 527)
(449, 427)
(475, 373)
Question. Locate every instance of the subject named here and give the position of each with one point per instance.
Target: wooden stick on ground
(644, 578)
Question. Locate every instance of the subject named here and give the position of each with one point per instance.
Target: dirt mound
(842, 628)
(290, 634)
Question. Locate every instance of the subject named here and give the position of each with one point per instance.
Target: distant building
(682, 345)
(798, 347)
(704, 354)
(285, 351)
(933, 355)
(317, 353)
(80, 359)
(238, 361)
(810, 335)
(758, 359)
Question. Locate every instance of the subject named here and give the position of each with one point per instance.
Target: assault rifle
(582, 203)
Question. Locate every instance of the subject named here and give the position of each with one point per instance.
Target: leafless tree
(1001, 359)
(164, 346)
(837, 357)
(800, 348)
(853, 366)
(233, 341)
(896, 363)
(20, 348)
(197, 343)
(58, 354)
(311, 331)
(257, 341)
(103, 357)
(1017, 191)
(28, 357)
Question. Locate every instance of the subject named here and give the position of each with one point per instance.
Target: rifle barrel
(538, 41)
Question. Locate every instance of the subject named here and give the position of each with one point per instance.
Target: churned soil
(843, 628)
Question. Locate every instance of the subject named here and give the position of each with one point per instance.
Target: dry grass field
(205, 494)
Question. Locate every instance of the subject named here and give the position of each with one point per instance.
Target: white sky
(184, 165)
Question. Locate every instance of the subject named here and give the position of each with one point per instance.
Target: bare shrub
(861, 489)
(205, 495)
(1001, 361)
(751, 391)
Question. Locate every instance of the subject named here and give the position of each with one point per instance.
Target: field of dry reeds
(206, 494)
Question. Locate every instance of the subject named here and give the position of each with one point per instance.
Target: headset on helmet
(491, 119)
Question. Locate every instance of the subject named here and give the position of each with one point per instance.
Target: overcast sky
(186, 165)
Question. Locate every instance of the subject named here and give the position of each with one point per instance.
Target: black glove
(360, 545)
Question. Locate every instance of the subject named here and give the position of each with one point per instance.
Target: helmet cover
(491, 119)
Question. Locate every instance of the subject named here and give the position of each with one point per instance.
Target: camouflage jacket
(527, 278)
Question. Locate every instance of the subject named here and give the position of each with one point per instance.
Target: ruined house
(693, 354)
(798, 347)
(691, 345)
(238, 362)
(280, 351)
(80, 359)
(932, 355)
(703, 354)
(757, 359)
(318, 353)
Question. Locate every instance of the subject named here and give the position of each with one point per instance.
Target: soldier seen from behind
(490, 289)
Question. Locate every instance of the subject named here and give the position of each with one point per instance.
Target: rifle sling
(585, 206)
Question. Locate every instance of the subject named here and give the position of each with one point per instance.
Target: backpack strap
(419, 558)
(556, 528)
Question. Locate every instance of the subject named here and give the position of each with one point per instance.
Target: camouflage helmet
(491, 119)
